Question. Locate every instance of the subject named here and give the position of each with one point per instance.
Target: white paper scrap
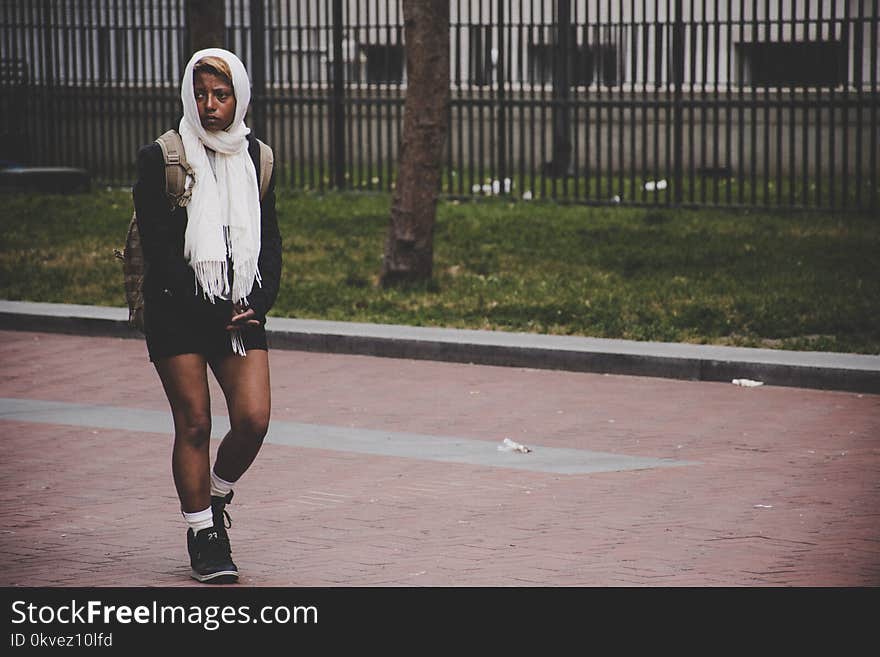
(747, 383)
(507, 445)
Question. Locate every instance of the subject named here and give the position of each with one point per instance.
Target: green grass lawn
(748, 278)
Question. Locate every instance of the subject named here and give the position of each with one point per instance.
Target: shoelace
(226, 501)
(217, 548)
(227, 520)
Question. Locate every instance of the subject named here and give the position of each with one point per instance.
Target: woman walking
(213, 267)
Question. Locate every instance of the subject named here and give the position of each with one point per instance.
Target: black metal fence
(680, 102)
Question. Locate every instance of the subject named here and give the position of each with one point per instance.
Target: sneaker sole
(220, 577)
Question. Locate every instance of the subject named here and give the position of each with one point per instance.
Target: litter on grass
(655, 185)
(493, 188)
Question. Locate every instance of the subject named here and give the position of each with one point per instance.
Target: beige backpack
(176, 171)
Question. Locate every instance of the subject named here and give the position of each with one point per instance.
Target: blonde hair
(214, 65)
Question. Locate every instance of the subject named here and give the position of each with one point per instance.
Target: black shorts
(193, 326)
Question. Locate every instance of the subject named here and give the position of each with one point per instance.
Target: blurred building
(769, 92)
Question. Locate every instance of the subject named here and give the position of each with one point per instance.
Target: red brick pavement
(784, 488)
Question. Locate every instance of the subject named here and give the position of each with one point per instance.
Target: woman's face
(215, 99)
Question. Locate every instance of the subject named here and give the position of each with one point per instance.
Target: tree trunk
(206, 22)
(409, 246)
(561, 164)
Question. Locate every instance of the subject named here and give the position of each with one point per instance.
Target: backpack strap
(176, 168)
(267, 161)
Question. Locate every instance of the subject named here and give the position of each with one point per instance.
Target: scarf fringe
(212, 276)
(246, 275)
(237, 343)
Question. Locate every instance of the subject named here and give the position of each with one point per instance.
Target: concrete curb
(830, 371)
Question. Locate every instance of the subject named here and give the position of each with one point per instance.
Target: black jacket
(162, 234)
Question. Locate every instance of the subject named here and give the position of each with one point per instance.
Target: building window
(14, 71)
(104, 72)
(588, 64)
(480, 55)
(605, 63)
(791, 63)
(384, 62)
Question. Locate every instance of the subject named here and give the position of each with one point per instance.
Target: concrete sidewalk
(386, 472)
(831, 371)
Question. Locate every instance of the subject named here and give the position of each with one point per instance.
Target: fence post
(561, 92)
(678, 109)
(502, 124)
(337, 125)
(48, 70)
(258, 67)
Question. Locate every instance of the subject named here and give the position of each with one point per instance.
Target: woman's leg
(185, 379)
(245, 384)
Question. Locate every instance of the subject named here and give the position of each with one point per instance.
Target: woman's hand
(241, 317)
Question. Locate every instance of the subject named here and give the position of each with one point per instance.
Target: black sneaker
(210, 557)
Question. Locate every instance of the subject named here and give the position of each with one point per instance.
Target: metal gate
(651, 102)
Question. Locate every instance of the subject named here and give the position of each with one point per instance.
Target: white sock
(199, 520)
(220, 487)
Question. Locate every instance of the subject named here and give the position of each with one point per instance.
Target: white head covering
(228, 205)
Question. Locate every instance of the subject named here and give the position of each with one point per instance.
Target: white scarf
(232, 200)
